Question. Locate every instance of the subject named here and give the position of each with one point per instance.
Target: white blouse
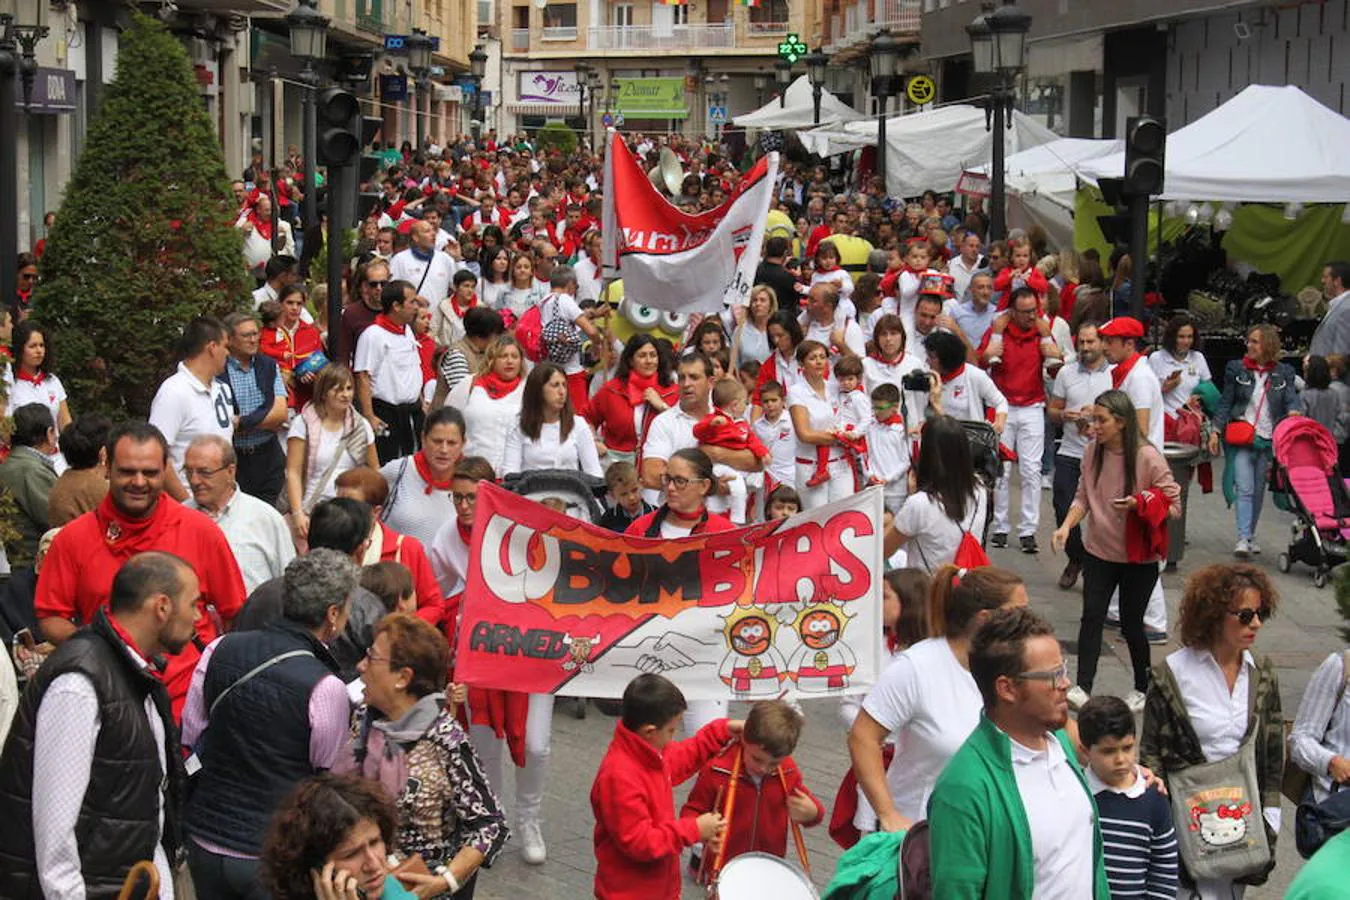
(487, 422)
(550, 451)
(823, 412)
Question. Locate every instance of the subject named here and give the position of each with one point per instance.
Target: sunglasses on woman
(1245, 616)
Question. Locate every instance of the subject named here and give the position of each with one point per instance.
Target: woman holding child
(813, 404)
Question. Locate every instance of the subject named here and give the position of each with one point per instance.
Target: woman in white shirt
(495, 264)
(1320, 741)
(549, 434)
(813, 404)
(1210, 696)
(750, 340)
(1179, 364)
(948, 503)
(889, 363)
(524, 291)
(326, 439)
(30, 379)
(927, 698)
(490, 401)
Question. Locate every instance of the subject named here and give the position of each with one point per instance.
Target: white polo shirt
(185, 409)
(394, 365)
(1078, 387)
(1060, 818)
(966, 395)
(781, 442)
(50, 393)
(670, 431)
(1145, 392)
(436, 287)
(822, 414)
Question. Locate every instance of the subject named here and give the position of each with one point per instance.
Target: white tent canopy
(799, 109)
(930, 150)
(1050, 170)
(1266, 145)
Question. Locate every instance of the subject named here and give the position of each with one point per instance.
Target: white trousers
(538, 747)
(1155, 615)
(837, 487)
(1025, 435)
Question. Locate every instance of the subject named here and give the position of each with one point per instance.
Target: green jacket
(980, 840)
(29, 479)
(867, 870)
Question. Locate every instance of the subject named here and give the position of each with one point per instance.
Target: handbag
(1240, 432)
(1217, 810)
(1317, 823)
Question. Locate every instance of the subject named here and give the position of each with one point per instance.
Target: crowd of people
(235, 619)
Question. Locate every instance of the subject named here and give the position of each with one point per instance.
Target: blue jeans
(1250, 468)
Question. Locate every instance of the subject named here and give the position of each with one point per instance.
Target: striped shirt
(1138, 840)
(1322, 729)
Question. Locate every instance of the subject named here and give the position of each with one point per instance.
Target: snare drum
(751, 876)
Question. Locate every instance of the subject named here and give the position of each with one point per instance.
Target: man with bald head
(257, 533)
(428, 271)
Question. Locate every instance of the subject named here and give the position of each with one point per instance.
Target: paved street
(1298, 638)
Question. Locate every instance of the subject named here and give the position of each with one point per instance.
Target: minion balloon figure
(635, 318)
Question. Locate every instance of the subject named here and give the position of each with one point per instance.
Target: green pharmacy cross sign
(792, 49)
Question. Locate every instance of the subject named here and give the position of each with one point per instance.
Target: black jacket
(783, 284)
(118, 824)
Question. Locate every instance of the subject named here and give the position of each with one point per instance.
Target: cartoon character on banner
(1222, 826)
(753, 666)
(579, 652)
(823, 662)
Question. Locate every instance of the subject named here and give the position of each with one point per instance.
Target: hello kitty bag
(1216, 808)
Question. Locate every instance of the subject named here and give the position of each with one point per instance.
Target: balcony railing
(767, 27)
(861, 20)
(560, 33)
(899, 15)
(677, 37)
(520, 39)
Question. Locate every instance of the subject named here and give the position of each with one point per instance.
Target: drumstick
(705, 862)
(796, 831)
(731, 808)
(146, 868)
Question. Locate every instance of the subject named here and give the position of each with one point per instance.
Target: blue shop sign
(53, 91)
(397, 42)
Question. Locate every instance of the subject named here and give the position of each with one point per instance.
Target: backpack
(561, 339)
(969, 554)
(530, 334)
(916, 877)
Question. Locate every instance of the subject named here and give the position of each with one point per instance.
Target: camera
(916, 381)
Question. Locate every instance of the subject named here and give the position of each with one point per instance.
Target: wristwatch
(444, 872)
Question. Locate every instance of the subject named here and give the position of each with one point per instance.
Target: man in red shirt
(137, 516)
(1014, 350)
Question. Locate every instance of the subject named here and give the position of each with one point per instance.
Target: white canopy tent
(929, 150)
(1266, 145)
(799, 109)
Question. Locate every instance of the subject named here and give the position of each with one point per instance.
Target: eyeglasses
(1053, 676)
(247, 335)
(378, 284)
(1245, 616)
(678, 481)
(204, 473)
(462, 499)
(372, 657)
(882, 407)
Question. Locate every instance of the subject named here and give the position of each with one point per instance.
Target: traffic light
(338, 113)
(1116, 226)
(1145, 143)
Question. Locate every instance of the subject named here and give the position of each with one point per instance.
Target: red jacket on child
(759, 820)
(638, 840)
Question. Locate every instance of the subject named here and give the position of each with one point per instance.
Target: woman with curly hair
(407, 739)
(1213, 694)
(328, 841)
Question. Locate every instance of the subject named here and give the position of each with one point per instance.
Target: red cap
(1122, 327)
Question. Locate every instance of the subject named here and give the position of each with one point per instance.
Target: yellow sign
(921, 89)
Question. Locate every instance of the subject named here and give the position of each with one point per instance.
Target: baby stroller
(988, 458)
(1305, 470)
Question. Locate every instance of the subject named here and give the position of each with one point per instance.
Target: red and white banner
(675, 261)
(556, 605)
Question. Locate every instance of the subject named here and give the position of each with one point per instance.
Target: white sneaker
(532, 840)
(1135, 701)
(1243, 549)
(1253, 547)
(1077, 697)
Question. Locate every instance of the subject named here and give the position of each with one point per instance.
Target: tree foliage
(557, 136)
(144, 238)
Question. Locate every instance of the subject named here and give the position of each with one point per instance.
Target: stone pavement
(1300, 636)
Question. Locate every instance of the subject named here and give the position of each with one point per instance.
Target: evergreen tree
(144, 239)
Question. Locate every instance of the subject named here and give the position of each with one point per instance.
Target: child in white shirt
(888, 447)
(775, 432)
(855, 416)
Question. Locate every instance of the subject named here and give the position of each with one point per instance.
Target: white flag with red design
(674, 261)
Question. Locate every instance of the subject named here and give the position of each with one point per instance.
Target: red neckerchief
(36, 378)
(859, 389)
(461, 310)
(262, 226)
(954, 373)
(675, 514)
(127, 639)
(424, 470)
(496, 386)
(1122, 370)
(1252, 365)
(825, 270)
(888, 362)
(637, 385)
(25, 297)
(465, 531)
(384, 322)
(124, 536)
(892, 419)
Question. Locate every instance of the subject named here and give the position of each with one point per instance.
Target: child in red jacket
(769, 792)
(638, 840)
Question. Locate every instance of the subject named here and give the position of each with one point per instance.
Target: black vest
(118, 823)
(256, 744)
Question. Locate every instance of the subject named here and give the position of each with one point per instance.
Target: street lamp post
(594, 84)
(782, 75)
(761, 85)
(998, 48)
(815, 70)
(478, 68)
(583, 77)
(419, 63)
(18, 46)
(309, 42)
(885, 52)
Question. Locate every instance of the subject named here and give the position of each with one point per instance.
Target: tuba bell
(667, 176)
